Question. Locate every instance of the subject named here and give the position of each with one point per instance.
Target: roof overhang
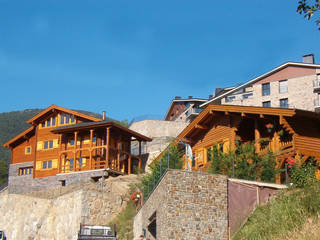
(37, 118)
(259, 78)
(18, 137)
(101, 124)
(242, 110)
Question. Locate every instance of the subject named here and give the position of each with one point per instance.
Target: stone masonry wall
(188, 205)
(56, 213)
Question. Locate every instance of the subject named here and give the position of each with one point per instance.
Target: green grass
(285, 214)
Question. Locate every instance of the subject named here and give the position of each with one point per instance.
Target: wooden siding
(18, 153)
(44, 134)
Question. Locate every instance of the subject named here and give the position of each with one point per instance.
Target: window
(61, 119)
(43, 124)
(80, 160)
(230, 99)
(27, 150)
(48, 123)
(47, 164)
(94, 139)
(283, 86)
(284, 103)
(71, 163)
(66, 119)
(247, 95)
(25, 171)
(48, 144)
(44, 165)
(266, 89)
(71, 142)
(266, 104)
(53, 121)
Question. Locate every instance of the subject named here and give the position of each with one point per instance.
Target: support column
(90, 150)
(256, 135)
(108, 146)
(118, 155)
(139, 166)
(60, 147)
(75, 150)
(129, 164)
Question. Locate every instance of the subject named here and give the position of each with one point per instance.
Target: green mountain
(13, 123)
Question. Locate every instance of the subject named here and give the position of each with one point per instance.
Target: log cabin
(286, 132)
(62, 141)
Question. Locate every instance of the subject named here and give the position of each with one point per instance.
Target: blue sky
(131, 58)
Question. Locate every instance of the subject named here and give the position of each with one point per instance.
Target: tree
(308, 8)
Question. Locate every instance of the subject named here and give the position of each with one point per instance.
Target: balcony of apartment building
(192, 111)
(316, 83)
(239, 96)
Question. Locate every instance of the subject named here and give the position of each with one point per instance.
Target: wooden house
(285, 132)
(64, 141)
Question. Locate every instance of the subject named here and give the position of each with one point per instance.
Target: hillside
(12, 123)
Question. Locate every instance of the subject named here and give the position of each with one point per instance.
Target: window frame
(286, 89)
(287, 103)
(265, 102)
(265, 91)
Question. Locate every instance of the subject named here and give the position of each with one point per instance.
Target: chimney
(190, 97)
(177, 97)
(103, 115)
(309, 58)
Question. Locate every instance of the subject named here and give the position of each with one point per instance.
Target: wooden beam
(261, 115)
(199, 126)
(108, 146)
(75, 150)
(139, 155)
(226, 113)
(90, 152)
(129, 164)
(243, 114)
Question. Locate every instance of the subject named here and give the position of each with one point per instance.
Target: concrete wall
(161, 132)
(188, 205)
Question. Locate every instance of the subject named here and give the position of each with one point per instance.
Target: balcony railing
(317, 103)
(193, 111)
(316, 83)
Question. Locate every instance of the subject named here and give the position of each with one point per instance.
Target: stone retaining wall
(186, 205)
(56, 213)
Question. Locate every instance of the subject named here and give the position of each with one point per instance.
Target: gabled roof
(295, 64)
(19, 136)
(210, 109)
(184, 100)
(100, 124)
(48, 110)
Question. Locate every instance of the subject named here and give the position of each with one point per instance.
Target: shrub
(243, 163)
(303, 175)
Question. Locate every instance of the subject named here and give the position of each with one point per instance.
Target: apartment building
(290, 85)
(184, 110)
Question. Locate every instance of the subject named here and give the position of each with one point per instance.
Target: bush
(303, 175)
(243, 163)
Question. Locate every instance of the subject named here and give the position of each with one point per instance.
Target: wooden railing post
(129, 164)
